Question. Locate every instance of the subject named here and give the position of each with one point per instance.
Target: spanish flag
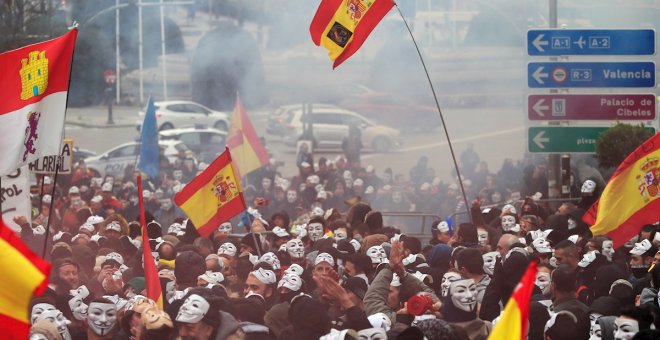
(342, 26)
(631, 198)
(213, 197)
(34, 86)
(514, 321)
(24, 274)
(151, 278)
(246, 148)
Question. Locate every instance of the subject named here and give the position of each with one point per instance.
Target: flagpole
(50, 210)
(442, 118)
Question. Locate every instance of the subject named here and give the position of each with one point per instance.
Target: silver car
(330, 126)
(179, 113)
(114, 161)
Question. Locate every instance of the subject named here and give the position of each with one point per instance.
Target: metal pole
(117, 57)
(162, 46)
(554, 160)
(140, 56)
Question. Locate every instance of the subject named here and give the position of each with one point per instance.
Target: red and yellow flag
(631, 198)
(513, 323)
(213, 197)
(154, 290)
(24, 274)
(243, 142)
(34, 84)
(342, 26)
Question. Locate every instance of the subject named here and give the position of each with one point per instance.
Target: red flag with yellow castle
(631, 198)
(34, 86)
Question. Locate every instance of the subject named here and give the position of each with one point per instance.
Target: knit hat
(47, 328)
(356, 286)
(138, 283)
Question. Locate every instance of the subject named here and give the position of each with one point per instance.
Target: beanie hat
(356, 286)
(138, 283)
(46, 328)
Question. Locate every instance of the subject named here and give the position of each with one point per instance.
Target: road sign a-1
(591, 107)
(590, 74)
(553, 42)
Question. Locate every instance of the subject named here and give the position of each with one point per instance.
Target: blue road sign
(547, 42)
(592, 74)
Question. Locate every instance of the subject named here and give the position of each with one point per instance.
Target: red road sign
(110, 76)
(591, 107)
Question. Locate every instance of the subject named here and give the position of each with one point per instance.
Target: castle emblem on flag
(31, 134)
(649, 180)
(34, 74)
(225, 189)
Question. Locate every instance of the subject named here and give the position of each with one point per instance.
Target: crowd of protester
(314, 258)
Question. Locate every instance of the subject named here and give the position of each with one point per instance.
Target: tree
(616, 143)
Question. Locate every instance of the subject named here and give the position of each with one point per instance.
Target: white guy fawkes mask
(315, 231)
(608, 249)
(102, 317)
(377, 254)
(291, 196)
(588, 187)
(482, 235)
(193, 309)
(295, 269)
(271, 259)
(57, 318)
(225, 228)
(265, 183)
(78, 307)
(508, 222)
(543, 282)
(38, 309)
(228, 249)
(464, 294)
(340, 234)
(593, 317)
(447, 280)
(37, 336)
(595, 333)
(625, 328)
(372, 334)
(541, 245)
(295, 248)
(489, 262)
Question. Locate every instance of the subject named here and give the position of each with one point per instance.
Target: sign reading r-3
(592, 74)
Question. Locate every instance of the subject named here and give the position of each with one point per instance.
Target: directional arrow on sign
(539, 107)
(538, 75)
(539, 139)
(538, 42)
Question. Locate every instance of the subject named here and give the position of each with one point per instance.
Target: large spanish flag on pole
(213, 197)
(244, 144)
(151, 278)
(631, 198)
(514, 321)
(34, 84)
(342, 26)
(24, 274)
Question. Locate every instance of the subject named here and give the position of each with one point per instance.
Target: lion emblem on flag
(31, 134)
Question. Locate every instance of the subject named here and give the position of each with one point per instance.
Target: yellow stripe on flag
(509, 324)
(344, 17)
(626, 194)
(18, 283)
(205, 203)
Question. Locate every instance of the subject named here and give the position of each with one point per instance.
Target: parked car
(178, 114)
(393, 110)
(205, 143)
(276, 124)
(114, 161)
(80, 154)
(330, 126)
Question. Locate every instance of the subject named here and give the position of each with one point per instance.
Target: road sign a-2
(591, 107)
(590, 74)
(554, 42)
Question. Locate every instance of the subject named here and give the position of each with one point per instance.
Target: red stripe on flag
(374, 15)
(202, 179)
(631, 227)
(324, 14)
(59, 54)
(44, 267)
(522, 295)
(250, 135)
(154, 290)
(13, 329)
(236, 204)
